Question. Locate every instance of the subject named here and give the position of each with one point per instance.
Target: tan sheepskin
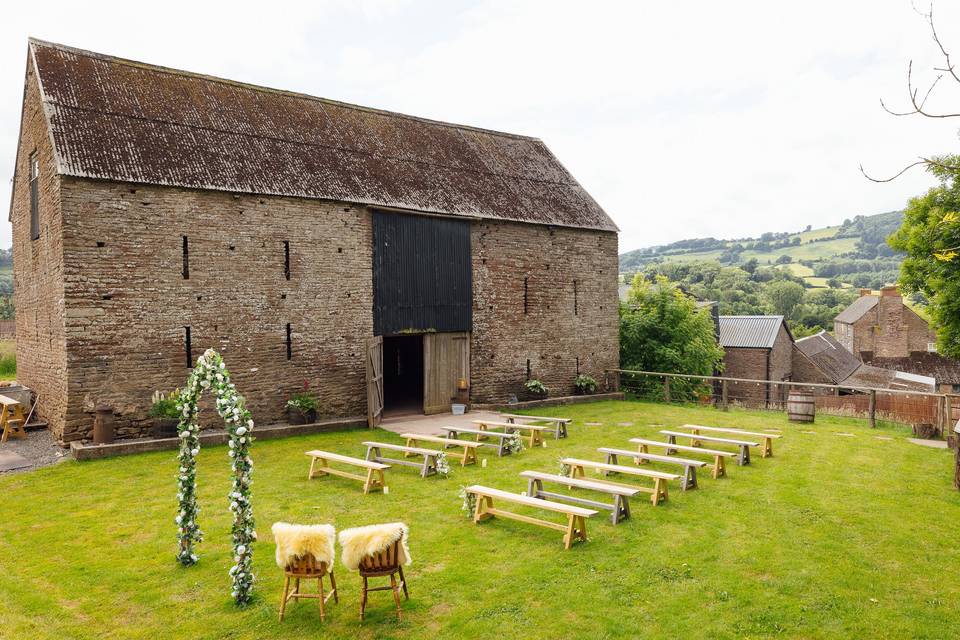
(298, 540)
(360, 542)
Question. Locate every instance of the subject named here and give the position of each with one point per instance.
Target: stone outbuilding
(756, 348)
(380, 259)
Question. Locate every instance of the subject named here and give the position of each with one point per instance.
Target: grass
(834, 537)
(8, 360)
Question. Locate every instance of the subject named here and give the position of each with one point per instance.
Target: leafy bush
(304, 402)
(585, 384)
(536, 387)
(165, 406)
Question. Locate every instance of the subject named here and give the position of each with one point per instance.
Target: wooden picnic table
(12, 420)
(765, 451)
(620, 507)
(689, 479)
(372, 480)
(743, 446)
(719, 466)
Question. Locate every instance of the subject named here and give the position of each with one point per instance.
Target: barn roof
(829, 356)
(752, 332)
(121, 120)
(856, 309)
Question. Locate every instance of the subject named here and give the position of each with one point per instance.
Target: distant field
(799, 270)
(820, 283)
(815, 234)
(808, 251)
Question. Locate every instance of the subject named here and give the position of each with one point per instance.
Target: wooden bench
(620, 507)
(373, 479)
(657, 494)
(719, 467)
(12, 420)
(765, 451)
(536, 432)
(558, 425)
(453, 432)
(469, 455)
(743, 446)
(427, 467)
(687, 481)
(574, 530)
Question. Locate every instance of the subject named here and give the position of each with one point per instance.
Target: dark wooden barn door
(446, 358)
(374, 381)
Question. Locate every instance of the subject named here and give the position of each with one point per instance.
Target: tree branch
(929, 162)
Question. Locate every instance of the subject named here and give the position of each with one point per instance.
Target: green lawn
(834, 537)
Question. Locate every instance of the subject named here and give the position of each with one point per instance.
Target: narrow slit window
(576, 301)
(34, 196)
(289, 342)
(578, 365)
(286, 259)
(187, 347)
(186, 258)
(528, 368)
(526, 295)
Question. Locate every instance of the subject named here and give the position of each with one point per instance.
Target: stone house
(755, 348)
(158, 212)
(882, 331)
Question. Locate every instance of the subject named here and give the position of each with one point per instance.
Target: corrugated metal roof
(756, 332)
(829, 356)
(121, 120)
(857, 308)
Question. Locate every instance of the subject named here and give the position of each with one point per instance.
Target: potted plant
(165, 415)
(302, 408)
(585, 385)
(536, 389)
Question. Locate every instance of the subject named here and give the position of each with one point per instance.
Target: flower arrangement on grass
(443, 465)
(469, 505)
(211, 374)
(513, 444)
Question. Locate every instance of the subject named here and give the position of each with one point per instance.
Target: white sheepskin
(298, 540)
(360, 542)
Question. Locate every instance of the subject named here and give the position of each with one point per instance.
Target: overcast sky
(682, 119)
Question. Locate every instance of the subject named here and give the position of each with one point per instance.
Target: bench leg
(411, 442)
(694, 442)
(671, 440)
(429, 466)
(659, 491)
(611, 459)
(368, 483)
(719, 467)
(744, 458)
(480, 513)
(689, 478)
(767, 448)
(615, 517)
(625, 507)
(313, 462)
(576, 471)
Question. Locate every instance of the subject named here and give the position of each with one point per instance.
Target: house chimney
(866, 292)
(890, 292)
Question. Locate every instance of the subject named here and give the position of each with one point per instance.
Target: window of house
(34, 196)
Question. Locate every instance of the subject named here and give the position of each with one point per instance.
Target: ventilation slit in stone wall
(187, 347)
(578, 365)
(576, 300)
(286, 259)
(526, 295)
(528, 368)
(289, 342)
(186, 258)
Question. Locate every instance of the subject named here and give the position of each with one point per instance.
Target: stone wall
(555, 338)
(741, 362)
(37, 272)
(890, 329)
(129, 303)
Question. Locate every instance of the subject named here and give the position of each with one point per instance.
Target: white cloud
(682, 119)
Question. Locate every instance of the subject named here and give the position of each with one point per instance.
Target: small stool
(384, 563)
(307, 568)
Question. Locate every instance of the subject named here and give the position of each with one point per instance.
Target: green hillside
(853, 253)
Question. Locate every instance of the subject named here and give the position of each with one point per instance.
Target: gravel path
(38, 447)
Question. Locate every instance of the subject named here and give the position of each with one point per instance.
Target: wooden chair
(384, 563)
(307, 568)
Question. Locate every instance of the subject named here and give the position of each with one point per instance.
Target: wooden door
(374, 381)
(446, 357)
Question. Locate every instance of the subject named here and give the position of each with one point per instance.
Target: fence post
(948, 414)
(873, 409)
(724, 398)
(666, 388)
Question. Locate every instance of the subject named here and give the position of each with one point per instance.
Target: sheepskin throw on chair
(362, 542)
(295, 541)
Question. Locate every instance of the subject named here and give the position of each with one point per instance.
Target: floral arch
(211, 374)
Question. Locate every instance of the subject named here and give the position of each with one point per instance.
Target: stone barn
(756, 348)
(157, 213)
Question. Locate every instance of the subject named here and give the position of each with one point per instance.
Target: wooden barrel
(801, 406)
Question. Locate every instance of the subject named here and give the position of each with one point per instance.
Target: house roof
(944, 370)
(856, 309)
(870, 376)
(126, 121)
(753, 332)
(829, 356)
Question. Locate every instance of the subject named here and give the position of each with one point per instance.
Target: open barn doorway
(402, 375)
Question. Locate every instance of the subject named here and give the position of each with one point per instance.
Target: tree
(661, 329)
(930, 235)
(784, 296)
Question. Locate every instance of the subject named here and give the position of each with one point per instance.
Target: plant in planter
(302, 407)
(536, 389)
(165, 414)
(585, 385)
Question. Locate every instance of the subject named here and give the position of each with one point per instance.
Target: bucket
(458, 409)
(801, 406)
